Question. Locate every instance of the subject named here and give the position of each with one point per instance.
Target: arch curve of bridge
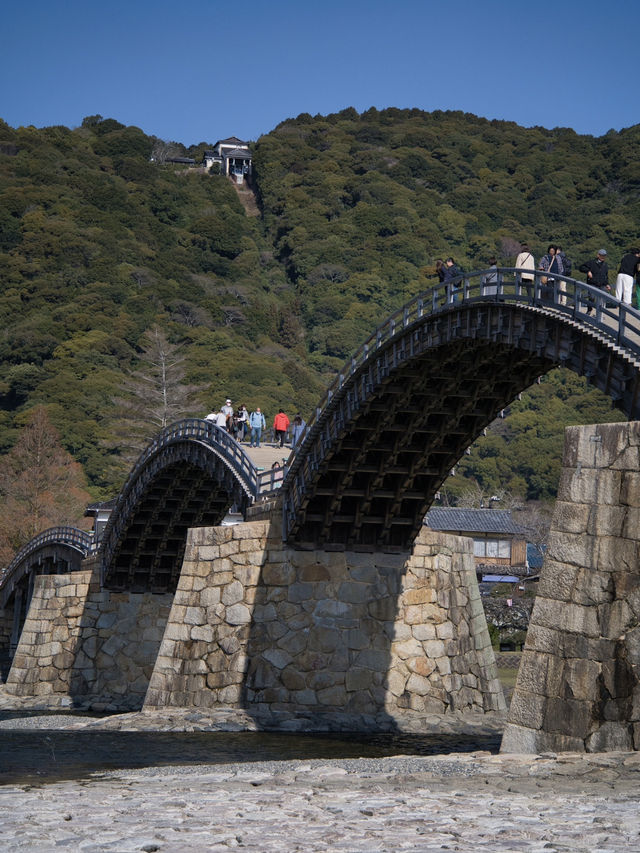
(45, 553)
(189, 476)
(426, 385)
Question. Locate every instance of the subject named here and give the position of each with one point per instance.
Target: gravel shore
(470, 802)
(463, 802)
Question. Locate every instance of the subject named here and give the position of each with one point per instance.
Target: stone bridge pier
(82, 645)
(335, 639)
(317, 639)
(578, 686)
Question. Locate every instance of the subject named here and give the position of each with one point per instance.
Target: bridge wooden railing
(224, 444)
(214, 437)
(588, 305)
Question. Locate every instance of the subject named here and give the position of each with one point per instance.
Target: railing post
(622, 322)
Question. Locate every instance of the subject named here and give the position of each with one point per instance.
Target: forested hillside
(99, 248)
(360, 206)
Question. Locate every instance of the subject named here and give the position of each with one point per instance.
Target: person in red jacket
(280, 425)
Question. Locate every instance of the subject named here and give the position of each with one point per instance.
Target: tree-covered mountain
(363, 205)
(98, 246)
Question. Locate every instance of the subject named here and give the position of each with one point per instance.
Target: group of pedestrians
(234, 422)
(243, 425)
(556, 265)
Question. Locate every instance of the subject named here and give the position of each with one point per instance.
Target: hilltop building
(233, 156)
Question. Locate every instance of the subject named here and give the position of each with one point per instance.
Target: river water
(37, 756)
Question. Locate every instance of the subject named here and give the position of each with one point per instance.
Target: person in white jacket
(525, 261)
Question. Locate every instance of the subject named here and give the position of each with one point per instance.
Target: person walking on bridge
(629, 266)
(257, 424)
(227, 411)
(525, 262)
(280, 425)
(298, 428)
(242, 421)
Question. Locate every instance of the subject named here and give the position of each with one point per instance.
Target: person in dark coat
(550, 263)
(597, 274)
(629, 266)
(451, 272)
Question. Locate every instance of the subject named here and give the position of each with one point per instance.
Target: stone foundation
(342, 639)
(578, 686)
(82, 646)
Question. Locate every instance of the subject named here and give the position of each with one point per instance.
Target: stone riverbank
(473, 801)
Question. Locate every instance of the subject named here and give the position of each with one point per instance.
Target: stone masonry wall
(337, 639)
(84, 646)
(578, 686)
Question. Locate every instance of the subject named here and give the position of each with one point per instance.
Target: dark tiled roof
(232, 140)
(472, 520)
(239, 152)
(94, 508)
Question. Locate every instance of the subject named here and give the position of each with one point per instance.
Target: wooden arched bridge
(55, 551)
(393, 424)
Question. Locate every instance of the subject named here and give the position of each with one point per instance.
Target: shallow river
(29, 756)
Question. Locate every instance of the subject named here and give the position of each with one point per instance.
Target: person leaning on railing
(597, 275)
(451, 272)
(551, 264)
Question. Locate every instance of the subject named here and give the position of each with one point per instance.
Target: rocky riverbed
(477, 800)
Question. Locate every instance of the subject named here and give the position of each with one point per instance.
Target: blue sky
(201, 71)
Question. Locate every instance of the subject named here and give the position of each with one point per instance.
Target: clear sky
(207, 69)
